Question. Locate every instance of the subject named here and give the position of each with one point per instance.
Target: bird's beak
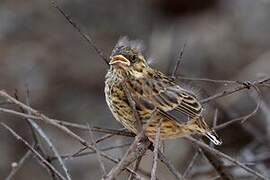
(119, 59)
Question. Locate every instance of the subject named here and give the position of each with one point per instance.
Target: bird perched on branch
(155, 97)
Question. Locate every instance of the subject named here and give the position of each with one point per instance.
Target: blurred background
(225, 39)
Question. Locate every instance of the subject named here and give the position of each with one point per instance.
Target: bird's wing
(164, 94)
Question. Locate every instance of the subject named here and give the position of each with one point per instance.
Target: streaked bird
(159, 101)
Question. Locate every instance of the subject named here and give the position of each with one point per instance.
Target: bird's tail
(199, 126)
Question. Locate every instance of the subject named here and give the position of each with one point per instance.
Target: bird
(159, 102)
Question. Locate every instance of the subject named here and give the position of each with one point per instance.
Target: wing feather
(164, 94)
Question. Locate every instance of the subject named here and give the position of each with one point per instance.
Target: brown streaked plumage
(158, 99)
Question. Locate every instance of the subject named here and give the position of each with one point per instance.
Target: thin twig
(132, 103)
(47, 140)
(102, 166)
(177, 64)
(87, 37)
(71, 156)
(137, 149)
(18, 165)
(208, 80)
(242, 86)
(190, 165)
(44, 161)
(217, 164)
(135, 168)
(35, 138)
(154, 168)
(107, 136)
(220, 154)
(169, 165)
(244, 118)
(59, 126)
(118, 132)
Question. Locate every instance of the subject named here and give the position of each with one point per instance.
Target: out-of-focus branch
(18, 165)
(80, 154)
(245, 117)
(44, 161)
(177, 64)
(119, 132)
(135, 168)
(155, 160)
(102, 166)
(208, 80)
(242, 86)
(47, 120)
(47, 140)
(222, 155)
(136, 150)
(87, 37)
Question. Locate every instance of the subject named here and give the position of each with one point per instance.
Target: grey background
(226, 39)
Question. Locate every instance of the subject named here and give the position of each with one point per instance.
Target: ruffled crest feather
(134, 44)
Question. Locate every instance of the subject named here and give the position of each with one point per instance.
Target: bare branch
(217, 164)
(245, 117)
(47, 140)
(102, 166)
(135, 168)
(72, 156)
(137, 149)
(208, 80)
(18, 165)
(191, 164)
(220, 154)
(88, 39)
(133, 107)
(55, 124)
(177, 64)
(154, 168)
(44, 161)
(242, 86)
(167, 163)
(119, 132)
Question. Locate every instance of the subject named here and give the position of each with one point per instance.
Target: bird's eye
(133, 58)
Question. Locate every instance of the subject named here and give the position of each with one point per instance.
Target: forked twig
(47, 140)
(102, 166)
(245, 117)
(220, 154)
(169, 165)
(44, 161)
(136, 166)
(137, 149)
(74, 155)
(118, 132)
(45, 119)
(242, 86)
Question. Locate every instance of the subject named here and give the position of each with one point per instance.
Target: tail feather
(212, 136)
(202, 128)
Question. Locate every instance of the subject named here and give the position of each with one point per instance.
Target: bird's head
(127, 56)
